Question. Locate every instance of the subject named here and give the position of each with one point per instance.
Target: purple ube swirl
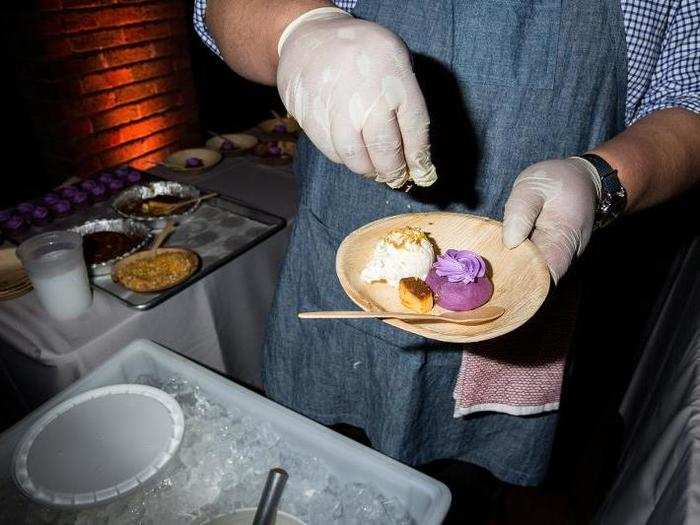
(106, 178)
(133, 177)
(40, 215)
(14, 224)
(61, 208)
(25, 209)
(88, 184)
(80, 199)
(460, 266)
(50, 199)
(68, 191)
(99, 192)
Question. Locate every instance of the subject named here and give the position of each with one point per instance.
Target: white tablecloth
(218, 321)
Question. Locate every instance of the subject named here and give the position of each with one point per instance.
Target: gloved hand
(553, 202)
(350, 85)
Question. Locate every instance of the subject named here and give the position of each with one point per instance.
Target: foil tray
(156, 189)
(126, 226)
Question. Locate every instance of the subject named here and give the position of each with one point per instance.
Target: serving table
(218, 321)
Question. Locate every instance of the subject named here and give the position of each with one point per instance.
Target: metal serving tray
(219, 230)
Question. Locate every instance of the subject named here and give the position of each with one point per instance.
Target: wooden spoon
(160, 238)
(480, 315)
(166, 208)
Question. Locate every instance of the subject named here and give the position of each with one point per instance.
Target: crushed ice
(221, 467)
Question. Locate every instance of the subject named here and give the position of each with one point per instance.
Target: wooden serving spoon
(480, 315)
(166, 208)
(160, 238)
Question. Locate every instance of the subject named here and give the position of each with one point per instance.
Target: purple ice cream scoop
(50, 199)
(40, 216)
(458, 280)
(194, 162)
(25, 209)
(98, 192)
(61, 208)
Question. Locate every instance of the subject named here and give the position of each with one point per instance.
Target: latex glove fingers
(554, 203)
(350, 85)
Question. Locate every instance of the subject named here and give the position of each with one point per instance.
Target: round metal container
(140, 193)
(125, 226)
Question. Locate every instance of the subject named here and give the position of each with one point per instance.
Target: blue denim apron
(508, 83)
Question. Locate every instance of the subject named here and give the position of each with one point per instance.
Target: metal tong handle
(270, 497)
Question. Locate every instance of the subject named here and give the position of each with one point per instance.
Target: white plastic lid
(98, 445)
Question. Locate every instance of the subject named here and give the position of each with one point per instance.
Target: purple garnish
(194, 162)
(61, 207)
(25, 209)
(460, 266)
(50, 199)
(115, 185)
(274, 149)
(227, 145)
(99, 192)
(280, 128)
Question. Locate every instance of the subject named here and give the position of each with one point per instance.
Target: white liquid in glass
(65, 295)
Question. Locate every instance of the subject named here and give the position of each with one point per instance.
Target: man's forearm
(657, 157)
(247, 32)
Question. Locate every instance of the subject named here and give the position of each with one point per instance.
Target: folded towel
(520, 373)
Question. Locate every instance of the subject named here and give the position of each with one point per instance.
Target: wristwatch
(613, 195)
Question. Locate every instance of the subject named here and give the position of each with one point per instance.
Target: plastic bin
(426, 499)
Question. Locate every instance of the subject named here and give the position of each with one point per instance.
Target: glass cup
(55, 264)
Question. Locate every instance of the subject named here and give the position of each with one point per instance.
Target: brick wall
(108, 82)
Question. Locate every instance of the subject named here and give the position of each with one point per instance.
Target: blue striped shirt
(663, 52)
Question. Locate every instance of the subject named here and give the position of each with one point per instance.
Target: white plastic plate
(98, 445)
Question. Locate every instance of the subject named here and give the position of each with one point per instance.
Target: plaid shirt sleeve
(663, 52)
(663, 55)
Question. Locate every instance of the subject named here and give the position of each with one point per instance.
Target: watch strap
(613, 196)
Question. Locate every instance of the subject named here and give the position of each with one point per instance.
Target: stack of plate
(14, 281)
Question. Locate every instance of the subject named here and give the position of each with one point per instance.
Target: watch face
(613, 200)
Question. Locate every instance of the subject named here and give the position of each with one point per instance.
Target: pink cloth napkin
(520, 373)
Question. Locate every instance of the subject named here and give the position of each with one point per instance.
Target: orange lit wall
(109, 83)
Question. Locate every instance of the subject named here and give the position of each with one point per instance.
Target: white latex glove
(350, 85)
(553, 202)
